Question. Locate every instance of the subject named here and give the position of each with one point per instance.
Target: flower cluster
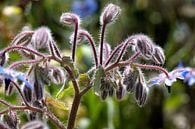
(112, 74)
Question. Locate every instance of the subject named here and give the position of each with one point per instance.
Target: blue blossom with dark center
(84, 7)
(11, 74)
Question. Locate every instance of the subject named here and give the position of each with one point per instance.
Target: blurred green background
(170, 23)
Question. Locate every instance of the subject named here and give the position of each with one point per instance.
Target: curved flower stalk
(111, 76)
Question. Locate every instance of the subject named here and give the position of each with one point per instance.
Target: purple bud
(56, 75)
(4, 58)
(144, 97)
(27, 93)
(3, 126)
(38, 90)
(130, 78)
(111, 91)
(110, 14)
(144, 44)
(11, 120)
(23, 38)
(103, 94)
(120, 92)
(69, 19)
(41, 37)
(35, 125)
(159, 56)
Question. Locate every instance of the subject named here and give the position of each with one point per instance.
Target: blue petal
(191, 81)
(185, 74)
(10, 74)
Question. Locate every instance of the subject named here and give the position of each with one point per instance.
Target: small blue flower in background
(11, 74)
(84, 7)
(178, 73)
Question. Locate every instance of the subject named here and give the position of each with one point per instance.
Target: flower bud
(23, 38)
(3, 126)
(103, 94)
(35, 125)
(159, 56)
(4, 58)
(38, 90)
(120, 92)
(41, 37)
(144, 44)
(130, 78)
(56, 75)
(11, 120)
(27, 93)
(111, 91)
(110, 14)
(144, 97)
(69, 19)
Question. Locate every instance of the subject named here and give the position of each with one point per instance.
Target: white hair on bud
(69, 18)
(41, 37)
(110, 14)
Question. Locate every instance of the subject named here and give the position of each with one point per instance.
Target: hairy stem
(15, 64)
(23, 48)
(144, 66)
(75, 41)
(91, 41)
(124, 63)
(102, 42)
(114, 52)
(73, 111)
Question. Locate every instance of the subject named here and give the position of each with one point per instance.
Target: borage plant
(110, 76)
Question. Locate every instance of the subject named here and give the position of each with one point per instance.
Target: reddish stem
(102, 42)
(23, 48)
(75, 41)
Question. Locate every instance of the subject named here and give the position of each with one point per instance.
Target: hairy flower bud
(159, 56)
(120, 92)
(144, 97)
(110, 14)
(144, 44)
(103, 94)
(130, 78)
(111, 91)
(35, 125)
(141, 91)
(11, 120)
(3, 126)
(23, 38)
(38, 90)
(4, 58)
(27, 93)
(69, 19)
(56, 75)
(41, 37)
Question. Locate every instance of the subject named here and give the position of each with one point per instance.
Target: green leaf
(100, 73)
(83, 79)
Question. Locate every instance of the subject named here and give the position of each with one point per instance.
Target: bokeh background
(170, 23)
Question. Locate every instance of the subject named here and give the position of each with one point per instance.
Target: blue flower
(84, 7)
(178, 73)
(11, 74)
